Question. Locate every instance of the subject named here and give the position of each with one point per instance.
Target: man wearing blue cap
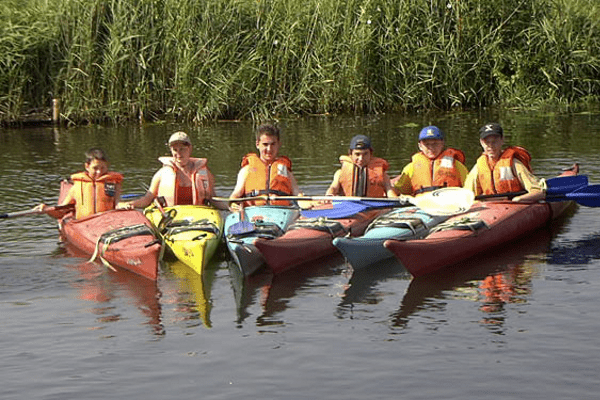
(361, 173)
(433, 167)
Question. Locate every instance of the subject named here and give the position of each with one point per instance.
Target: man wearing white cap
(182, 178)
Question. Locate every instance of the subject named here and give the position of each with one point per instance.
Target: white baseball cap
(179, 137)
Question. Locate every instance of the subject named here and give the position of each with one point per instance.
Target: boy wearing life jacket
(433, 167)
(361, 174)
(94, 190)
(265, 173)
(182, 178)
(502, 171)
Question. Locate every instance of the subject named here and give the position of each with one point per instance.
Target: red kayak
(486, 225)
(309, 239)
(122, 238)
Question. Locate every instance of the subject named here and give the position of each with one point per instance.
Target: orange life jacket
(94, 196)
(503, 178)
(263, 178)
(169, 183)
(367, 181)
(440, 172)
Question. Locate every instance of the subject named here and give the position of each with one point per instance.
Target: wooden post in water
(56, 111)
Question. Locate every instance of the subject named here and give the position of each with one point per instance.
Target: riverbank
(191, 60)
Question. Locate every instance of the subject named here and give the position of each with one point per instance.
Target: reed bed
(195, 60)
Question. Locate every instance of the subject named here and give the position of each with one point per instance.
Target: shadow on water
(494, 279)
(579, 252)
(272, 293)
(97, 284)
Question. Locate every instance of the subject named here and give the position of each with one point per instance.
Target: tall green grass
(203, 59)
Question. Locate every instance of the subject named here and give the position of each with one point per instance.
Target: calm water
(520, 322)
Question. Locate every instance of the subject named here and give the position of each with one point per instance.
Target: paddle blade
(445, 201)
(565, 184)
(588, 196)
(337, 209)
(241, 228)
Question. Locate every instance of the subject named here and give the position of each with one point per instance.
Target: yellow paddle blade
(445, 201)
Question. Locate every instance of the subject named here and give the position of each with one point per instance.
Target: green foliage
(202, 59)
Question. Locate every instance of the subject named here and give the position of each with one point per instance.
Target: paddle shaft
(402, 200)
(33, 211)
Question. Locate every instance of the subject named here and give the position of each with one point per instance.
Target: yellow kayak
(191, 233)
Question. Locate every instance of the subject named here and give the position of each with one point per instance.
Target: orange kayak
(122, 238)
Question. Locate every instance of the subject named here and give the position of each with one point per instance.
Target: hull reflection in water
(500, 277)
(194, 290)
(272, 293)
(105, 287)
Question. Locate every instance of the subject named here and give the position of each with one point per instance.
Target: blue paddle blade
(338, 209)
(565, 184)
(380, 204)
(588, 196)
(241, 228)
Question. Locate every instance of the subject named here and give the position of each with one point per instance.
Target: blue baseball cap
(360, 142)
(431, 132)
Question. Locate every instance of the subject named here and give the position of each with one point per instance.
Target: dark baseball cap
(490, 129)
(360, 142)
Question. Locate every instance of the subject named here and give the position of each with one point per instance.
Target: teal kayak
(400, 224)
(254, 222)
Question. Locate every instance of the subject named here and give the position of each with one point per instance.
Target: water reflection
(193, 293)
(362, 285)
(503, 276)
(273, 293)
(97, 284)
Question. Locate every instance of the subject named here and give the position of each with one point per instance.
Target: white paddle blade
(445, 201)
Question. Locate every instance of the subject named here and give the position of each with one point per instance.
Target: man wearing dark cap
(361, 173)
(433, 167)
(501, 170)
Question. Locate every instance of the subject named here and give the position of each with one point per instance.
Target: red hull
(504, 221)
(139, 253)
(303, 245)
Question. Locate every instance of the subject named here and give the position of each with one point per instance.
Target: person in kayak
(181, 180)
(94, 190)
(433, 167)
(361, 174)
(500, 170)
(265, 173)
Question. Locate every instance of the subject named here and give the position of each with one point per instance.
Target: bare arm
(335, 187)
(295, 188)
(147, 198)
(389, 190)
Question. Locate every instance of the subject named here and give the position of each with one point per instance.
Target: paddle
(588, 196)
(565, 184)
(339, 209)
(242, 227)
(445, 201)
(54, 211)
